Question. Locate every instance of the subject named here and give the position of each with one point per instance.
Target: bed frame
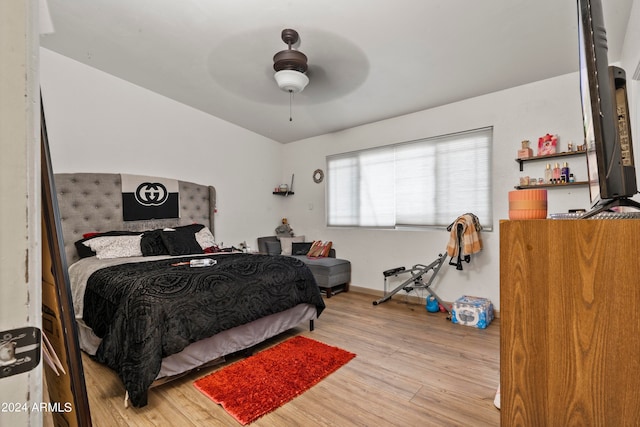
(92, 202)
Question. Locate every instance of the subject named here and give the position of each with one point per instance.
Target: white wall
(99, 123)
(526, 112)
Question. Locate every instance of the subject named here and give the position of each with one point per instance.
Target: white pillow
(205, 238)
(115, 246)
(285, 243)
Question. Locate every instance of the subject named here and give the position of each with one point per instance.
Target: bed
(153, 317)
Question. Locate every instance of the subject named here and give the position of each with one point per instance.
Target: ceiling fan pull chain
(290, 99)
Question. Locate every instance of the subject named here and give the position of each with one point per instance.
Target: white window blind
(429, 182)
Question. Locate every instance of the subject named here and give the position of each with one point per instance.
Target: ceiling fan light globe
(291, 81)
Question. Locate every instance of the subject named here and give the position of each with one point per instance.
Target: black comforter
(147, 311)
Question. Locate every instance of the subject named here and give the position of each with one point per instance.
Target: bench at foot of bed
(332, 274)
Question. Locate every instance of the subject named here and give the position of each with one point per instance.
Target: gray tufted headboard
(92, 202)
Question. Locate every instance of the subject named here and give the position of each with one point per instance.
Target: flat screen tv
(605, 112)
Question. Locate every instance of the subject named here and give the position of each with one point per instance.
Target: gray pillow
(273, 248)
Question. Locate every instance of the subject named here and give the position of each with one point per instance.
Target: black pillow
(86, 251)
(191, 228)
(300, 248)
(181, 242)
(152, 243)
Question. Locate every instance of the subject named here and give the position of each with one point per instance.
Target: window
(429, 182)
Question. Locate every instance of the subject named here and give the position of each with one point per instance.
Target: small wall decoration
(145, 197)
(547, 144)
(318, 176)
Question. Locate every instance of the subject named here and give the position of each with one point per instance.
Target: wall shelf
(566, 184)
(549, 156)
(283, 193)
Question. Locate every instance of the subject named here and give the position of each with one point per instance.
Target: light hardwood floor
(412, 368)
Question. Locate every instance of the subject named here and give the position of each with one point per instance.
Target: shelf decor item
(547, 144)
(528, 204)
(525, 152)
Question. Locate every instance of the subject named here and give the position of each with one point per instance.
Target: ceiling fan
(290, 65)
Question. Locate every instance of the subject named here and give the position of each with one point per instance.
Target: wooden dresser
(570, 322)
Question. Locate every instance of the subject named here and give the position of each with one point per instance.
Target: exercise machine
(466, 225)
(416, 281)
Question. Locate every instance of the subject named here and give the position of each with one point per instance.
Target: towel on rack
(464, 238)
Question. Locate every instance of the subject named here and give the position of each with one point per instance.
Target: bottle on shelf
(564, 172)
(548, 174)
(556, 173)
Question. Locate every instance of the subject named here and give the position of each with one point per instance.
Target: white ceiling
(368, 59)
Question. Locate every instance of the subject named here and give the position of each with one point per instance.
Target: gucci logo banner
(145, 197)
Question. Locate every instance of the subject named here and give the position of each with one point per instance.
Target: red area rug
(255, 386)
